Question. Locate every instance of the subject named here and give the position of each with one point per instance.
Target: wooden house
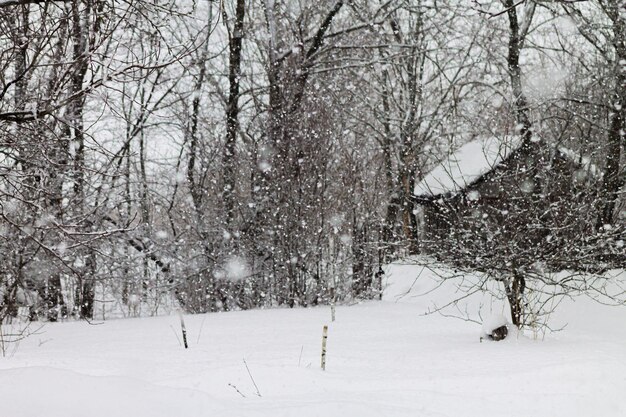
(499, 195)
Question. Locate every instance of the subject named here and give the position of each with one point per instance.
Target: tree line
(232, 154)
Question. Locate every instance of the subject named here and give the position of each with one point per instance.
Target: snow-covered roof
(466, 165)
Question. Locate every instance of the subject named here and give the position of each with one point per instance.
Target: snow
(466, 165)
(59, 392)
(384, 359)
(236, 268)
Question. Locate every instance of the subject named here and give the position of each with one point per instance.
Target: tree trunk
(613, 179)
(515, 296)
(361, 276)
(410, 129)
(517, 34)
(232, 112)
(391, 215)
(55, 304)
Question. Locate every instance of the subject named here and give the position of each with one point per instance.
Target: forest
(224, 155)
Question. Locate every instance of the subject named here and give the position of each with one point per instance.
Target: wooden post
(182, 327)
(324, 338)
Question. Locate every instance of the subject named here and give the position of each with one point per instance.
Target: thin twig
(235, 388)
(254, 383)
(200, 331)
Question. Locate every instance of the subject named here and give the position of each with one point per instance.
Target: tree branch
(8, 3)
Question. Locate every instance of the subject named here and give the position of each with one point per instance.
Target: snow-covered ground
(384, 359)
